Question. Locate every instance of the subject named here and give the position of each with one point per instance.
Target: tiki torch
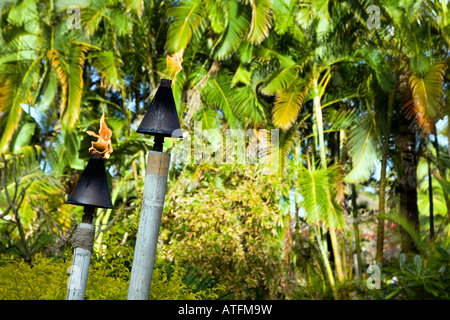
(161, 121)
(92, 192)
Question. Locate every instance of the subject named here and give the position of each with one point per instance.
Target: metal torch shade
(161, 118)
(92, 187)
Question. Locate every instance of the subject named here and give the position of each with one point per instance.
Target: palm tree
(39, 53)
(410, 54)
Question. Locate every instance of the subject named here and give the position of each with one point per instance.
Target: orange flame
(103, 139)
(174, 64)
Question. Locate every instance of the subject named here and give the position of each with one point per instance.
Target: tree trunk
(381, 209)
(382, 191)
(407, 178)
(356, 233)
(430, 199)
(337, 255)
(318, 117)
(325, 261)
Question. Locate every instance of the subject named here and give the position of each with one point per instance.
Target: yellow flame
(103, 139)
(174, 64)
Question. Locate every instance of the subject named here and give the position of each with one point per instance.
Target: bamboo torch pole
(160, 120)
(155, 187)
(83, 245)
(91, 191)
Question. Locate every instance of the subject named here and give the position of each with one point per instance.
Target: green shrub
(233, 235)
(46, 279)
(417, 277)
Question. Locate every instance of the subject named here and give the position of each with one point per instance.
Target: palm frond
(109, 66)
(287, 141)
(136, 6)
(209, 119)
(281, 80)
(218, 15)
(427, 96)
(287, 105)
(23, 171)
(92, 16)
(122, 22)
(318, 189)
(283, 15)
(74, 86)
(15, 90)
(341, 120)
(415, 38)
(261, 21)
(418, 239)
(263, 53)
(246, 105)
(216, 93)
(186, 18)
(364, 149)
(238, 25)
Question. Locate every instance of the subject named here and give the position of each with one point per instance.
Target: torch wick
(96, 155)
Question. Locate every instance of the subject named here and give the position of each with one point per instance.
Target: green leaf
(23, 136)
(281, 80)
(430, 288)
(238, 24)
(245, 51)
(443, 252)
(418, 263)
(287, 106)
(23, 12)
(242, 75)
(14, 90)
(109, 66)
(392, 294)
(444, 184)
(402, 260)
(364, 150)
(136, 6)
(317, 186)
(209, 119)
(91, 18)
(246, 105)
(121, 22)
(283, 15)
(187, 16)
(261, 21)
(218, 183)
(217, 94)
(218, 15)
(72, 144)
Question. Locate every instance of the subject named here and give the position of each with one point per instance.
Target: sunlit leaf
(187, 16)
(238, 24)
(288, 105)
(261, 20)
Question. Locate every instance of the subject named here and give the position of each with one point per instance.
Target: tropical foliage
(359, 103)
